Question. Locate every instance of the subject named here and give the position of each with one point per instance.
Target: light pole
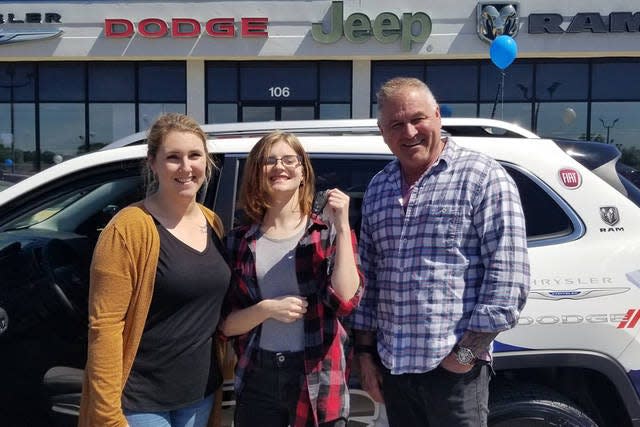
(11, 72)
(608, 127)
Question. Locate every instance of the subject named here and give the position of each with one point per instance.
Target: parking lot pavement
(5, 184)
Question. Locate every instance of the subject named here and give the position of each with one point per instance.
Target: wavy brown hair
(254, 189)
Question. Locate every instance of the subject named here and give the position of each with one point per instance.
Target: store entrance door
(261, 112)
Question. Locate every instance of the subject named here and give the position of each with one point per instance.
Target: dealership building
(76, 75)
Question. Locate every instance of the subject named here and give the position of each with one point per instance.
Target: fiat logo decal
(570, 178)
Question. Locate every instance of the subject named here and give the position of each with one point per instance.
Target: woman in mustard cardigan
(158, 278)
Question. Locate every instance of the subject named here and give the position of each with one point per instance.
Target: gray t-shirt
(276, 272)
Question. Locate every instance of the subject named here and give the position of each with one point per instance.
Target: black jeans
(438, 398)
(271, 391)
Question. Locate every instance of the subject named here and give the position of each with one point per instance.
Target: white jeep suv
(574, 358)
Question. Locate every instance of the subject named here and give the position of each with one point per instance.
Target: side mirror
(110, 210)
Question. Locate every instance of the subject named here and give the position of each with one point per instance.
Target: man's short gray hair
(391, 87)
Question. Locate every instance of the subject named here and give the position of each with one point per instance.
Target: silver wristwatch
(464, 355)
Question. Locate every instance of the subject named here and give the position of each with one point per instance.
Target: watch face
(465, 356)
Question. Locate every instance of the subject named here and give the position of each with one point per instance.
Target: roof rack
(452, 125)
(300, 127)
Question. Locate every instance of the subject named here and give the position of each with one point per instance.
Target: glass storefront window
(162, 82)
(453, 82)
(17, 82)
(268, 82)
(222, 113)
(278, 90)
(112, 82)
(150, 112)
(258, 114)
(335, 82)
(222, 82)
(62, 132)
(381, 71)
(18, 148)
(108, 122)
(562, 81)
(518, 83)
(448, 109)
(616, 81)
(518, 113)
(335, 111)
(68, 94)
(616, 123)
(61, 82)
(561, 119)
(297, 113)
(24, 138)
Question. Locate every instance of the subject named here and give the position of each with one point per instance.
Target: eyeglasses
(288, 161)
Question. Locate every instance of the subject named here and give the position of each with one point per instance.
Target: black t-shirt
(175, 365)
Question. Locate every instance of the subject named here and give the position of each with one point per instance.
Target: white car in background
(573, 360)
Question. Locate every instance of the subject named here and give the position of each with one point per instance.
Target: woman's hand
(286, 309)
(337, 209)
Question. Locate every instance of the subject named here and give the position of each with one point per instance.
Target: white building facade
(76, 75)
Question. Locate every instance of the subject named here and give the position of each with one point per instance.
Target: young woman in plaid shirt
(295, 274)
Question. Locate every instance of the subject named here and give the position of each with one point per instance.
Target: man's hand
(370, 376)
(451, 364)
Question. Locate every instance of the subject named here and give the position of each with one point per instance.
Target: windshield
(46, 210)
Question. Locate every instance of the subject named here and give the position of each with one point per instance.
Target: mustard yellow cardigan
(122, 277)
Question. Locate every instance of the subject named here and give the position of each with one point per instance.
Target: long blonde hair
(158, 131)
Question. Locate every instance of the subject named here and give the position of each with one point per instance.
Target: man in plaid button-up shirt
(444, 251)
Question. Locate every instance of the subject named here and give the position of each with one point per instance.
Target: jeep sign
(386, 28)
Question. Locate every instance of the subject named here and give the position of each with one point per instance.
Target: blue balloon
(503, 51)
(8, 162)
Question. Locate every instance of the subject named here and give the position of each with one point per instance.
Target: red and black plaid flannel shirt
(324, 396)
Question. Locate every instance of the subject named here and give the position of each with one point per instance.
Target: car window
(544, 216)
(82, 202)
(89, 216)
(350, 175)
(73, 206)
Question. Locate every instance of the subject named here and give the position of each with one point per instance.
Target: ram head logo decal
(610, 215)
(497, 19)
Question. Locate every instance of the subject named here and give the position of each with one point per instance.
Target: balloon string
(502, 95)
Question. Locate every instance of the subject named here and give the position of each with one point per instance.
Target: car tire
(532, 405)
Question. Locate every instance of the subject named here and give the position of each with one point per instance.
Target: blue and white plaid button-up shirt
(456, 260)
